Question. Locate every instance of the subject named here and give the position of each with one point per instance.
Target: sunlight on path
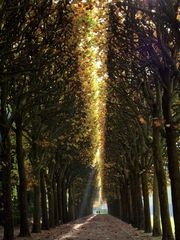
(77, 227)
(93, 227)
(103, 227)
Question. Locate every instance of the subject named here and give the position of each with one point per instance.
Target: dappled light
(76, 229)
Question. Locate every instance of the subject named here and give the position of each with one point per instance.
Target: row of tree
(45, 142)
(142, 118)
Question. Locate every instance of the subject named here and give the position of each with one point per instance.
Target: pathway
(94, 227)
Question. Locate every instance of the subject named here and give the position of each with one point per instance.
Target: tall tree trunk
(22, 193)
(70, 205)
(162, 185)
(147, 215)
(6, 181)
(59, 195)
(51, 206)
(121, 213)
(56, 211)
(156, 209)
(173, 161)
(134, 207)
(138, 215)
(37, 205)
(45, 220)
(128, 204)
(64, 203)
(109, 205)
(73, 205)
(125, 202)
(113, 207)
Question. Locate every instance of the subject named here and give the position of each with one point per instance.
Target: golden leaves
(142, 120)
(157, 122)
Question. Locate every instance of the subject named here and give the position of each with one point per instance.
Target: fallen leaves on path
(94, 227)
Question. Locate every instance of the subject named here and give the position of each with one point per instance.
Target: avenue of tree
(76, 77)
(142, 116)
(45, 146)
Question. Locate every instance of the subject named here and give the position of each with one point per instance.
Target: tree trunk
(137, 206)
(73, 205)
(59, 195)
(6, 182)
(37, 206)
(70, 204)
(130, 204)
(64, 203)
(109, 205)
(113, 207)
(22, 193)
(156, 209)
(134, 207)
(121, 204)
(162, 185)
(51, 206)
(147, 215)
(173, 162)
(125, 202)
(56, 211)
(45, 220)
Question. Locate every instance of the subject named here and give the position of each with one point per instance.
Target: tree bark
(70, 204)
(37, 205)
(121, 203)
(51, 206)
(73, 205)
(125, 201)
(156, 209)
(5, 158)
(56, 211)
(162, 185)
(173, 162)
(64, 203)
(147, 215)
(45, 220)
(22, 193)
(138, 217)
(59, 195)
(113, 207)
(130, 202)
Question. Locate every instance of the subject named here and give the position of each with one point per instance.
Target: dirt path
(100, 227)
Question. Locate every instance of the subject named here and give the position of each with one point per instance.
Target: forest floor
(94, 227)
